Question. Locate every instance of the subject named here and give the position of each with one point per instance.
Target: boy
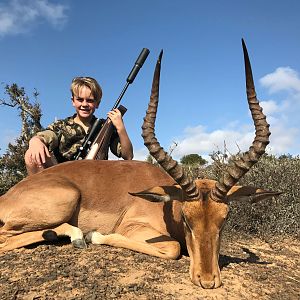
(60, 141)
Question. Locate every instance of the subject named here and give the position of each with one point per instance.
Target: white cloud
(283, 139)
(282, 113)
(198, 140)
(270, 107)
(139, 154)
(283, 79)
(19, 16)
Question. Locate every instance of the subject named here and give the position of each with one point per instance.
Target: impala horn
(170, 165)
(240, 166)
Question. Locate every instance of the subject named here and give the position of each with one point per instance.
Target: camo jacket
(64, 137)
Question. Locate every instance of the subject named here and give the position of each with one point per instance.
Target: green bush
(12, 166)
(277, 216)
(193, 159)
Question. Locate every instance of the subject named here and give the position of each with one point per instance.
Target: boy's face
(84, 103)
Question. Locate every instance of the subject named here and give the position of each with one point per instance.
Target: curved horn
(168, 164)
(243, 164)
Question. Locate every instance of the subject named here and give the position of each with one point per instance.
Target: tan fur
(106, 197)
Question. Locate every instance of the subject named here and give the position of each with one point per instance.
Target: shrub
(12, 166)
(277, 216)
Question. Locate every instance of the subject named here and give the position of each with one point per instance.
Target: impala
(135, 205)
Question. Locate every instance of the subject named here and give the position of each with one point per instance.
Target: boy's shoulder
(68, 121)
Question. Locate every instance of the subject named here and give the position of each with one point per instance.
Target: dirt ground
(250, 268)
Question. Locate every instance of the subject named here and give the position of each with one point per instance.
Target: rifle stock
(100, 145)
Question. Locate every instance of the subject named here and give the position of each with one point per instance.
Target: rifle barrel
(137, 66)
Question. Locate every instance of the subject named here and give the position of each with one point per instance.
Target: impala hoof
(88, 236)
(79, 243)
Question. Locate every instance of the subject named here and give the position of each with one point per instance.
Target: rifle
(96, 143)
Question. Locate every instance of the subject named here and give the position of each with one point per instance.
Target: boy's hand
(38, 152)
(116, 118)
(126, 147)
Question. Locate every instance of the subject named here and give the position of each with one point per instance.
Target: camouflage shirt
(64, 137)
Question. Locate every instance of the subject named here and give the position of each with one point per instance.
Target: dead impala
(106, 201)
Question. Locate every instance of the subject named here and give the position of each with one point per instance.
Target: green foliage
(12, 167)
(276, 217)
(193, 159)
(281, 215)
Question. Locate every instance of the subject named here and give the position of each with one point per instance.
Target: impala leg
(32, 237)
(141, 238)
(32, 210)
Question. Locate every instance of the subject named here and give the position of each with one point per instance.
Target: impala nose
(207, 281)
(207, 284)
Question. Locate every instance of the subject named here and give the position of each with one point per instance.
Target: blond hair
(91, 83)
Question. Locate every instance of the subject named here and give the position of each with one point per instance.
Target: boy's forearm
(126, 145)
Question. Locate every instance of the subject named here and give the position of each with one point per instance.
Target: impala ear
(249, 193)
(160, 193)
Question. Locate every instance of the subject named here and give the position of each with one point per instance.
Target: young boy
(60, 141)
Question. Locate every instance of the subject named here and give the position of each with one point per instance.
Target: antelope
(134, 204)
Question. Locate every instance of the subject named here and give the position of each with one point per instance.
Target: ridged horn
(242, 165)
(170, 165)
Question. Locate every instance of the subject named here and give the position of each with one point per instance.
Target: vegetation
(279, 216)
(12, 167)
(193, 160)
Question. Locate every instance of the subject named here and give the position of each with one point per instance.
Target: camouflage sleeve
(51, 135)
(49, 138)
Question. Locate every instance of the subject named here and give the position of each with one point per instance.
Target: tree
(12, 166)
(193, 160)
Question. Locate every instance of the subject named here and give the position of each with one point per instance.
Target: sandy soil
(251, 269)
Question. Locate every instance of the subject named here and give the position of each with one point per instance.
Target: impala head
(205, 202)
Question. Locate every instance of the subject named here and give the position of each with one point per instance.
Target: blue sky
(44, 44)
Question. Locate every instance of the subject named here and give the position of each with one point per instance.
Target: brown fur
(94, 195)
